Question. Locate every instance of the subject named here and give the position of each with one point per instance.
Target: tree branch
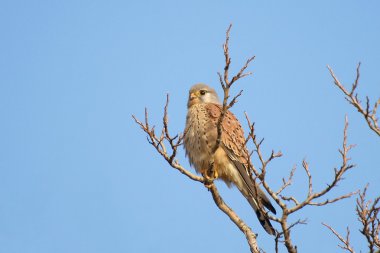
(289, 204)
(346, 241)
(159, 145)
(352, 97)
(250, 236)
(368, 215)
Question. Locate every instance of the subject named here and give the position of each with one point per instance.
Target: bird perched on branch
(230, 159)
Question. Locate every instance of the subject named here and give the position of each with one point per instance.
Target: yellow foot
(216, 175)
(211, 175)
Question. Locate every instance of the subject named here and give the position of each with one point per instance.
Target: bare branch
(226, 84)
(305, 165)
(158, 143)
(352, 97)
(346, 241)
(283, 221)
(250, 236)
(291, 198)
(338, 176)
(289, 204)
(330, 201)
(288, 182)
(368, 215)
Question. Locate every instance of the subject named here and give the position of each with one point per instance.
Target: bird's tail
(264, 221)
(254, 194)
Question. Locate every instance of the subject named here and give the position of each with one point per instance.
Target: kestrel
(230, 160)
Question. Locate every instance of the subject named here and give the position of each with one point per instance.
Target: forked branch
(160, 142)
(368, 215)
(290, 204)
(369, 114)
(226, 84)
(345, 240)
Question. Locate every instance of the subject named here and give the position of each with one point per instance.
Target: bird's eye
(202, 92)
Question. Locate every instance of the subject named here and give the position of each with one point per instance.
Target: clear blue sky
(77, 175)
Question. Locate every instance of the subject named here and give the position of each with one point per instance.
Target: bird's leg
(215, 172)
(210, 174)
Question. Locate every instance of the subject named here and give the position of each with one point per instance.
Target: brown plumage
(230, 159)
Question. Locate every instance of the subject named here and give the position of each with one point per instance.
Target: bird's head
(202, 93)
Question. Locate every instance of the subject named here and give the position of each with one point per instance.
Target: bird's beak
(193, 99)
(192, 96)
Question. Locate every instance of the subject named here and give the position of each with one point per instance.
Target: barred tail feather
(264, 221)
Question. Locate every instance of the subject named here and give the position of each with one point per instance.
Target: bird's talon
(211, 176)
(207, 177)
(208, 186)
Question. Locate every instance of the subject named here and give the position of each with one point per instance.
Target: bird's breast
(199, 142)
(199, 137)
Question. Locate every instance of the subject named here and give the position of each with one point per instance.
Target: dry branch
(368, 215)
(158, 142)
(370, 115)
(250, 236)
(346, 241)
(289, 204)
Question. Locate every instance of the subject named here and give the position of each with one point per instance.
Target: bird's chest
(200, 137)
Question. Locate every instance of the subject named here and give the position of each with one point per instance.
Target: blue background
(76, 173)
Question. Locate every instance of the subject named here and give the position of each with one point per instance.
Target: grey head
(202, 93)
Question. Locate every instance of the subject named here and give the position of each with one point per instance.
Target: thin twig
(368, 215)
(352, 97)
(346, 241)
(158, 144)
(294, 204)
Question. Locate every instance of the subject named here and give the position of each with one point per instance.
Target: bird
(230, 160)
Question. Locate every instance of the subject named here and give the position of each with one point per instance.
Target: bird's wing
(233, 142)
